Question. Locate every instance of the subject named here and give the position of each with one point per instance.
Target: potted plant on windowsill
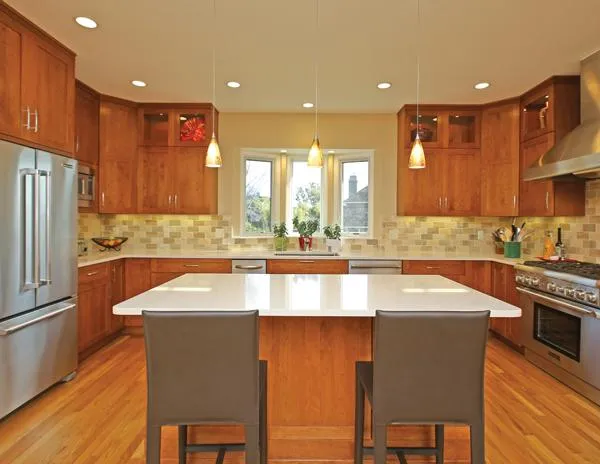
(281, 240)
(333, 238)
(305, 229)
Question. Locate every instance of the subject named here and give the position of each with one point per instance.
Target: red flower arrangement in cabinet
(193, 130)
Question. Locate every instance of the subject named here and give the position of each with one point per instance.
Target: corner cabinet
(37, 85)
(548, 113)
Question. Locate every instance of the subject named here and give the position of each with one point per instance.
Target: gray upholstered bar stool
(427, 368)
(203, 368)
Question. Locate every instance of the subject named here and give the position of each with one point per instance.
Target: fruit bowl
(110, 243)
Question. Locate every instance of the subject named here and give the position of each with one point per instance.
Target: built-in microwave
(86, 186)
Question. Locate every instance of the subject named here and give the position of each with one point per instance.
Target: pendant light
(417, 154)
(213, 154)
(315, 154)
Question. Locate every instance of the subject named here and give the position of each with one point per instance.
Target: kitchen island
(312, 330)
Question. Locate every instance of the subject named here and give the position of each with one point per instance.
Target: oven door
(563, 332)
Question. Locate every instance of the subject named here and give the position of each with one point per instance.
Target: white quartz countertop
(95, 257)
(313, 295)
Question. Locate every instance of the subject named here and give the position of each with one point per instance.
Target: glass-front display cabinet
(427, 124)
(537, 114)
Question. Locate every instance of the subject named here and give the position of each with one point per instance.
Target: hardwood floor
(100, 416)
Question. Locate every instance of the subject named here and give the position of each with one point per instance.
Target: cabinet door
(93, 315)
(117, 293)
(137, 276)
(429, 126)
(536, 197)
(499, 275)
(48, 87)
(155, 180)
(87, 122)
(462, 183)
(424, 188)
(195, 185)
(192, 127)
(513, 325)
(537, 110)
(155, 127)
(118, 158)
(464, 129)
(12, 116)
(500, 160)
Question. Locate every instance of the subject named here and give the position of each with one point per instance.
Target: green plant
(305, 228)
(280, 230)
(333, 232)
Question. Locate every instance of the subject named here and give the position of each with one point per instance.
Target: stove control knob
(560, 290)
(569, 292)
(528, 280)
(580, 295)
(591, 297)
(551, 287)
(519, 279)
(535, 282)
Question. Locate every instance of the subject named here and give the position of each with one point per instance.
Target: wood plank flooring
(100, 416)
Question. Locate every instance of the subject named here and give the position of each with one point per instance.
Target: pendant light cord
(316, 68)
(214, 66)
(418, 63)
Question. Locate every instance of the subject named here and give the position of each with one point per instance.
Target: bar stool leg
(264, 438)
(152, 444)
(182, 429)
(359, 421)
(478, 442)
(380, 444)
(252, 444)
(439, 444)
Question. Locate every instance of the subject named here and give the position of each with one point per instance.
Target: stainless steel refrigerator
(38, 272)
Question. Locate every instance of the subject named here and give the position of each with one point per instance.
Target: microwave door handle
(47, 280)
(559, 303)
(34, 240)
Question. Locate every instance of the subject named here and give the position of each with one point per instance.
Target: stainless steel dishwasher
(249, 266)
(377, 266)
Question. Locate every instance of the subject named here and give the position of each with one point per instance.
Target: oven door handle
(564, 304)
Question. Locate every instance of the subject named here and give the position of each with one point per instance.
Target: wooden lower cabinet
(505, 289)
(474, 274)
(93, 306)
(137, 280)
(117, 292)
(307, 266)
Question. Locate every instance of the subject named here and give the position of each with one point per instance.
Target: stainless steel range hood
(578, 153)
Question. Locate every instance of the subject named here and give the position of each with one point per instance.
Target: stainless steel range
(561, 320)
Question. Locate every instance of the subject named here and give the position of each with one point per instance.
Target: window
(277, 186)
(258, 195)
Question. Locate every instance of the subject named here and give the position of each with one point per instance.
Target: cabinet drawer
(93, 275)
(307, 266)
(191, 266)
(443, 267)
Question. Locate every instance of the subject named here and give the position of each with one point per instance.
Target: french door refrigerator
(38, 272)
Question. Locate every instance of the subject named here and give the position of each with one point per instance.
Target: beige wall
(292, 130)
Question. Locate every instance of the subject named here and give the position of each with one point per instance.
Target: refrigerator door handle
(35, 281)
(9, 330)
(47, 280)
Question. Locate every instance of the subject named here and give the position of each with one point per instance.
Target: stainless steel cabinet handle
(547, 201)
(369, 266)
(306, 261)
(440, 202)
(102, 199)
(249, 267)
(77, 143)
(27, 112)
(446, 202)
(191, 265)
(33, 283)
(514, 202)
(560, 303)
(432, 267)
(37, 121)
(47, 280)
(14, 328)
(90, 274)
(175, 200)
(170, 200)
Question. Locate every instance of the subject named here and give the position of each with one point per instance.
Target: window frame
(275, 161)
(290, 158)
(338, 204)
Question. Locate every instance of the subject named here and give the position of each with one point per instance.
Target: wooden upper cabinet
(429, 126)
(463, 128)
(155, 180)
(182, 125)
(12, 116)
(118, 157)
(48, 89)
(462, 174)
(87, 124)
(422, 189)
(500, 160)
(195, 185)
(537, 197)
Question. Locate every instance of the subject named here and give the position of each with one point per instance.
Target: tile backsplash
(405, 235)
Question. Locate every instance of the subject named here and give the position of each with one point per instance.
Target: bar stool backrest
(429, 366)
(202, 365)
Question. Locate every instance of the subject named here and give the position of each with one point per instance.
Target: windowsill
(319, 236)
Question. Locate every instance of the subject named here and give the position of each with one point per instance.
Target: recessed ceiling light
(482, 85)
(384, 85)
(282, 151)
(138, 83)
(86, 22)
(331, 152)
(233, 84)
(307, 105)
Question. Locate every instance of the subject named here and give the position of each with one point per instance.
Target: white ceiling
(268, 45)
